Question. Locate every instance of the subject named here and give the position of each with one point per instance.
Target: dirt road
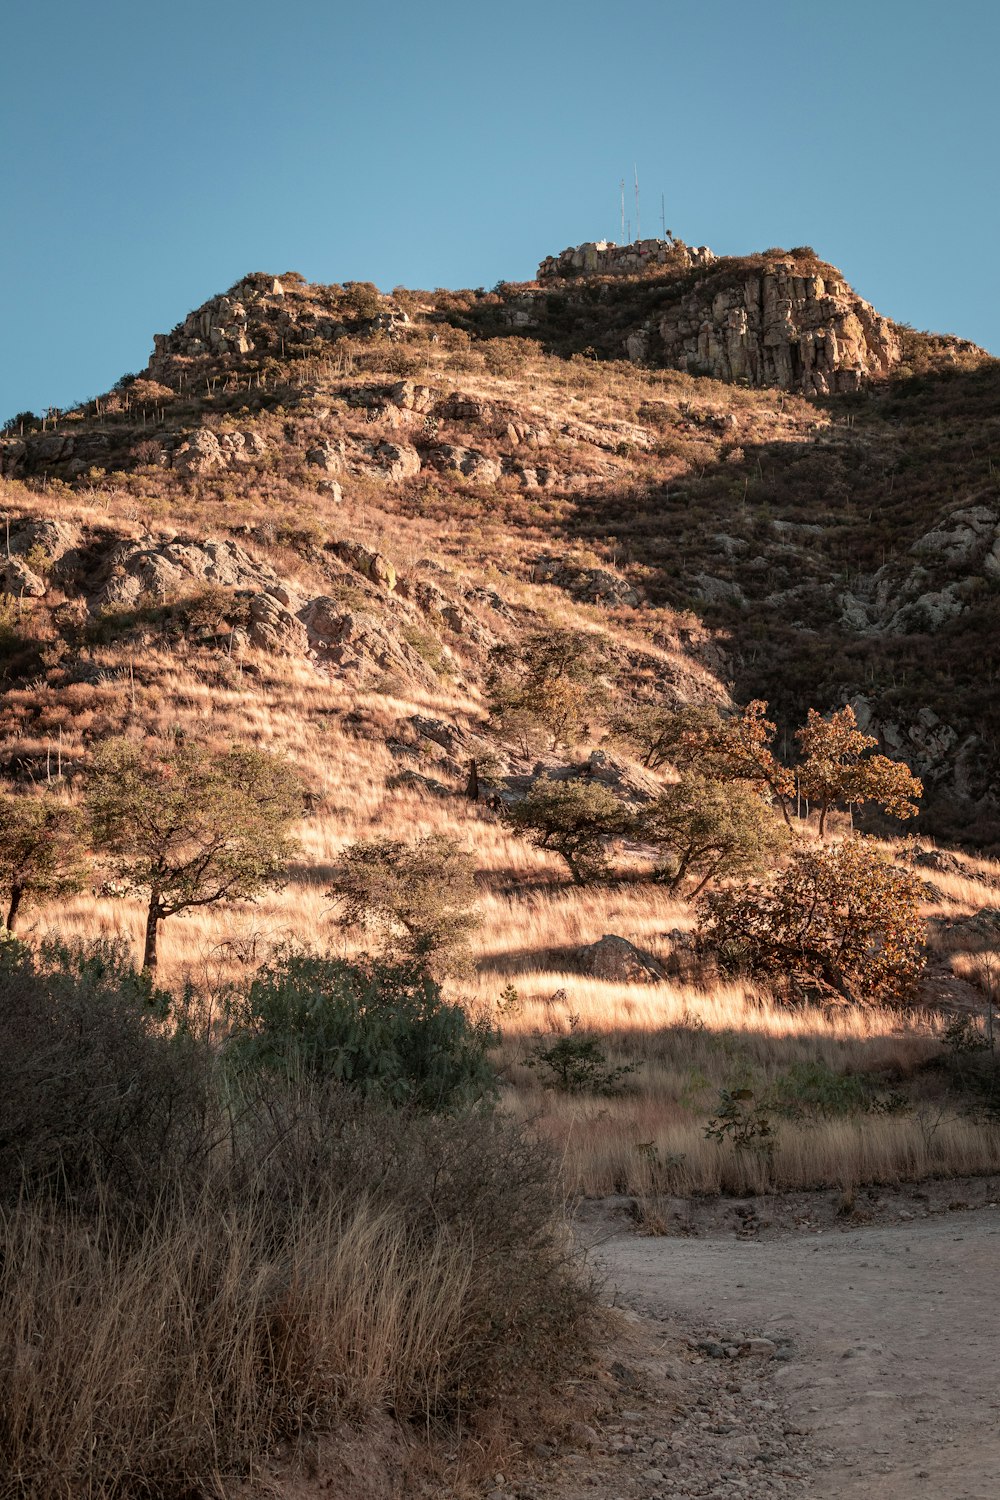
(892, 1373)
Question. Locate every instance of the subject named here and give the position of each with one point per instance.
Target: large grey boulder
(618, 961)
(274, 628)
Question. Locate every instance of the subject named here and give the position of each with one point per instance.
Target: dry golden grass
(689, 1043)
(691, 1038)
(176, 1360)
(532, 923)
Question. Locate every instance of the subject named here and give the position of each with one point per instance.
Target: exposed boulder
(631, 783)
(219, 326)
(941, 861)
(328, 456)
(618, 961)
(960, 536)
(373, 565)
(205, 450)
(604, 258)
(200, 454)
(591, 585)
(53, 538)
(410, 397)
(161, 569)
(273, 627)
(450, 458)
(350, 640)
(395, 460)
(18, 579)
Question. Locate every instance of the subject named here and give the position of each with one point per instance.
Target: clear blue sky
(154, 153)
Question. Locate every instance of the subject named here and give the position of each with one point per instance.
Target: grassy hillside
(307, 528)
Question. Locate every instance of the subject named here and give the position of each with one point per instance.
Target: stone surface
(451, 457)
(353, 640)
(328, 456)
(618, 961)
(206, 450)
(783, 321)
(774, 326)
(18, 579)
(604, 258)
(591, 585)
(373, 565)
(161, 569)
(395, 460)
(273, 627)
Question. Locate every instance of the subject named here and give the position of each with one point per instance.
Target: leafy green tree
(731, 747)
(40, 850)
(574, 819)
(543, 690)
(426, 890)
(191, 828)
(842, 914)
(837, 770)
(708, 830)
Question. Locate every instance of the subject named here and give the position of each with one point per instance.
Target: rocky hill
(778, 319)
(737, 472)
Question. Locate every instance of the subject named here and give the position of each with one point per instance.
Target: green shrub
(577, 1065)
(709, 830)
(574, 819)
(742, 1118)
(213, 1262)
(543, 691)
(814, 1090)
(93, 1088)
(380, 1028)
(418, 897)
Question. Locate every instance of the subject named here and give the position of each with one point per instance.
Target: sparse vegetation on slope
(371, 623)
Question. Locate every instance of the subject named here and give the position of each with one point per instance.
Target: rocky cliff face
(777, 327)
(786, 321)
(740, 538)
(269, 315)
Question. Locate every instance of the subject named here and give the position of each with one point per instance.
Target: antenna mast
(663, 214)
(638, 222)
(622, 186)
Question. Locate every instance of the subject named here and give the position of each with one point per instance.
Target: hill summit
(734, 469)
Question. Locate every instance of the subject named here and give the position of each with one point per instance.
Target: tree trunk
(822, 820)
(16, 892)
(153, 918)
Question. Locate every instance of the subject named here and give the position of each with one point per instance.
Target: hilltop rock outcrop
(780, 319)
(602, 258)
(809, 333)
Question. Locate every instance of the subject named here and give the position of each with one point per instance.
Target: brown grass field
(691, 1035)
(175, 1354)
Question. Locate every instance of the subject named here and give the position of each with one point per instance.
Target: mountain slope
(372, 491)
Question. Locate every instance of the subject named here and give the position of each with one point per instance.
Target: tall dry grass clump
(150, 1360)
(201, 1259)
